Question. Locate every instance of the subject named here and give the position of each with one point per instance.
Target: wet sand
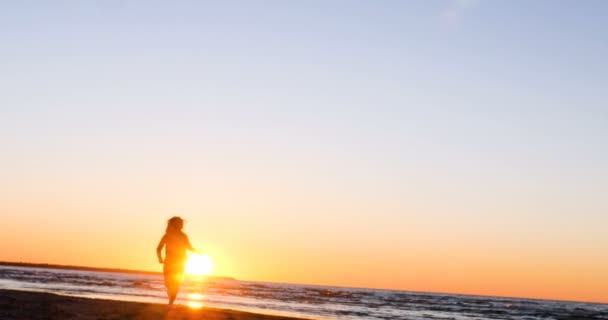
(18, 305)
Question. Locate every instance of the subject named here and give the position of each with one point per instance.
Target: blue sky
(488, 116)
(515, 80)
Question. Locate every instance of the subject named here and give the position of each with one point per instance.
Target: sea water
(313, 302)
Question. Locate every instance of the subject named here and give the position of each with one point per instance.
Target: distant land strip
(81, 268)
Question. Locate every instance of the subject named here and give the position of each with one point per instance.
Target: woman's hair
(175, 225)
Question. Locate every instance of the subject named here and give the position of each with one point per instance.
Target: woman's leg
(169, 282)
(173, 278)
(174, 283)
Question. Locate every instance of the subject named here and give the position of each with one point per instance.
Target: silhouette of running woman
(176, 244)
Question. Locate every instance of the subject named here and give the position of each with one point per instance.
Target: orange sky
(259, 237)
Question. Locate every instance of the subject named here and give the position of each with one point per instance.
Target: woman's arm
(189, 245)
(159, 249)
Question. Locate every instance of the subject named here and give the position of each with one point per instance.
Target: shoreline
(22, 305)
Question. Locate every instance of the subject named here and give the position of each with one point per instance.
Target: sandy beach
(16, 305)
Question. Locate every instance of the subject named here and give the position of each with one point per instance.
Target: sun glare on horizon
(199, 265)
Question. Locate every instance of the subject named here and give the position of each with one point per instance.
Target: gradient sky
(451, 146)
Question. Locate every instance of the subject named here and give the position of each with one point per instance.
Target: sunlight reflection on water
(194, 304)
(195, 300)
(195, 296)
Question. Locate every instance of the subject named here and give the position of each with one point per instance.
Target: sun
(199, 265)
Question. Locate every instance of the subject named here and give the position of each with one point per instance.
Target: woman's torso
(176, 246)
